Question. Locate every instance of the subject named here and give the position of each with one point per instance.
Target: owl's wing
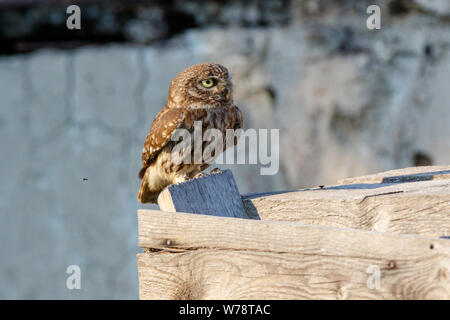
(238, 123)
(164, 125)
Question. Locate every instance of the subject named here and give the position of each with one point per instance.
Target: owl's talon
(216, 170)
(199, 175)
(180, 179)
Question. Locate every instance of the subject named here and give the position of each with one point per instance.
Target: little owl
(203, 93)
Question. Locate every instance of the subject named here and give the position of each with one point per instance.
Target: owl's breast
(221, 118)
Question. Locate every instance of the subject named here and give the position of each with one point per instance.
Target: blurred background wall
(75, 106)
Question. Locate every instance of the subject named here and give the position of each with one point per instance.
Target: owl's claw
(199, 175)
(202, 174)
(216, 170)
(180, 179)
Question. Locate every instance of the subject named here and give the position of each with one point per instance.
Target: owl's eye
(208, 83)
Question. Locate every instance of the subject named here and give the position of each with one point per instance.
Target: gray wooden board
(213, 194)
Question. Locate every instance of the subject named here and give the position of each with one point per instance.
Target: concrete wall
(347, 100)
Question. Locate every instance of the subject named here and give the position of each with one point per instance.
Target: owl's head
(205, 84)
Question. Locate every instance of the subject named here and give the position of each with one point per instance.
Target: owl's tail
(144, 194)
(142, 172)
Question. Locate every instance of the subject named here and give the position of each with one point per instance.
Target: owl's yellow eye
(208, 83)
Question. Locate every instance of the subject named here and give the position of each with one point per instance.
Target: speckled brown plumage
(188, 101)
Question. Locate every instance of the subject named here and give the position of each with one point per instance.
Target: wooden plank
(206, 257)
(403, 175)
(226, 274)
(182, 231)
(212, 194)
(421, 208)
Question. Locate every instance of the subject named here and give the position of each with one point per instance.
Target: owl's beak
(223, 94)
(227, 94)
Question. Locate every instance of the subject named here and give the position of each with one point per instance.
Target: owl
(202, 92)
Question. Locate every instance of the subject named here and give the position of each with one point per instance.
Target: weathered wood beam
(206, 257)
(412, 174)
(421, 208)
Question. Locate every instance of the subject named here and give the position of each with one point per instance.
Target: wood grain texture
(403, 175)
(207, 257)
(421, 208)
(211, 194)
